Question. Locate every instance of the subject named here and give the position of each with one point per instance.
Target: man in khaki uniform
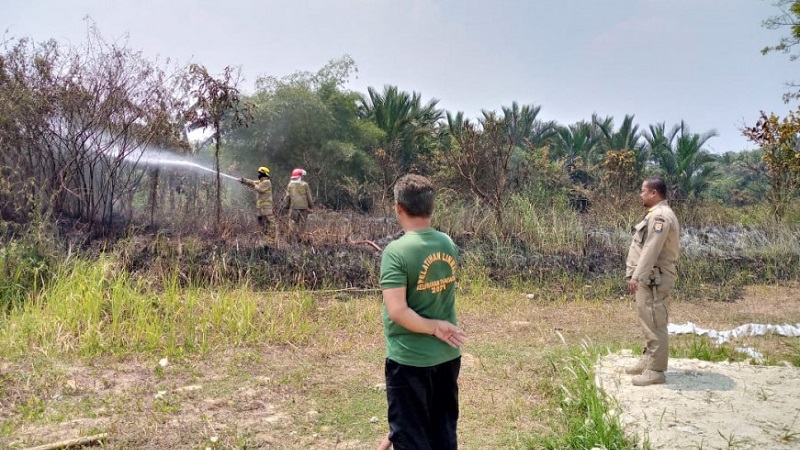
(298, 201)
(651, 273)
(263, 188)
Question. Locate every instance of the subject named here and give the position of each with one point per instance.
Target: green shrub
(26, 265)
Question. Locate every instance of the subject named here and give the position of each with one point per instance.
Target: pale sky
(661, 60)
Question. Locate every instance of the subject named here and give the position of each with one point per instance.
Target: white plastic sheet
(750, 329)
(751, 352)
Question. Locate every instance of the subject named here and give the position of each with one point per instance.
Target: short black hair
(657, 184)
(415, 194)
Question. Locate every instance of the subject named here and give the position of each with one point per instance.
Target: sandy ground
(707, 405)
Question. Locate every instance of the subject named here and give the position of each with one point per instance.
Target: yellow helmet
(263, 170)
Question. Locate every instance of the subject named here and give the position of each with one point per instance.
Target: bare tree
(480, 157)
(79, 119)
(215, 100)
(788, 18)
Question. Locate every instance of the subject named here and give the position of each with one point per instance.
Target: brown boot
(637, 368)
(649, 377)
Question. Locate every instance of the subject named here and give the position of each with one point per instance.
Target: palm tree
(524, 128)
(529, 137)
(681, 159)
(574, 145)
(627, 137)
(624, 154)
(408, 127)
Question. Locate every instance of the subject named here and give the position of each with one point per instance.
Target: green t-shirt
(425, 263)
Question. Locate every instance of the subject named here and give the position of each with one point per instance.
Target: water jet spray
(156, 160)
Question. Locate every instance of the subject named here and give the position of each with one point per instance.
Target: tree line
(75, 122)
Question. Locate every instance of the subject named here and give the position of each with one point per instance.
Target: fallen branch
(364, 241)
(86, 440)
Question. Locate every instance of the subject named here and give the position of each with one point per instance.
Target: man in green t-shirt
(423, 359)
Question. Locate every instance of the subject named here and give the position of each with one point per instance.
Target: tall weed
(586, 418)
(27, 264)
(92, 308)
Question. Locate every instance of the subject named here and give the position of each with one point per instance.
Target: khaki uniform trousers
(266, 218)
(299, 219)
(652, 303)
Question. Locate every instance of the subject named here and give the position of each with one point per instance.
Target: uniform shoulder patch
(659, 226)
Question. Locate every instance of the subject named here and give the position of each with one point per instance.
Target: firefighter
(263, 188)
(299, 203)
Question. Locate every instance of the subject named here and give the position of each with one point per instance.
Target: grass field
(234, 368)
(181, 342)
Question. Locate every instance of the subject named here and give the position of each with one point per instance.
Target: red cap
(298, 173)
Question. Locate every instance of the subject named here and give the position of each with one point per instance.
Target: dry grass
(760, 304)
(322, 394)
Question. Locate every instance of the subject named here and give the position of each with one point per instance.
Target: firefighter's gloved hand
(241, 180)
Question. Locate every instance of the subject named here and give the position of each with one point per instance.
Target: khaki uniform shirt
(655, 244)
(298, 195)
(263, 190)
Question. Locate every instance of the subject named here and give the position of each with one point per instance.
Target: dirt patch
(717, 405)
(707, 405)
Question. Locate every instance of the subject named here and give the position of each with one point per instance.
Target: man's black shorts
(423, 405)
